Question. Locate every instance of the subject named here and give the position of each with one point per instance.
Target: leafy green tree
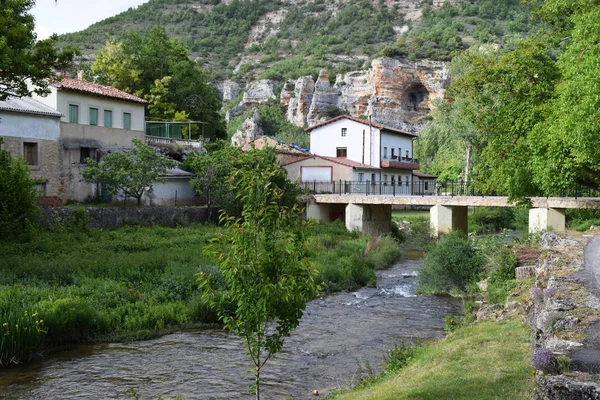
(262, 258)
(156, 67)
(18, 198)
(114, 67)
(133, 173)
(212, 171)
(22, 58)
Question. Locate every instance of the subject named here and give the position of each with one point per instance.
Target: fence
(422, 188)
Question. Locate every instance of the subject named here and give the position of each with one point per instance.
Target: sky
(74, 15)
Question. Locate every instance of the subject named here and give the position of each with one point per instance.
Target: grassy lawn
(488, 360)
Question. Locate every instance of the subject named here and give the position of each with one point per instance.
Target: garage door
(316, 174)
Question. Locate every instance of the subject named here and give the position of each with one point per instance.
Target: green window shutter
(93, 116)
(108, 118)
(73, 113)
(126, 120)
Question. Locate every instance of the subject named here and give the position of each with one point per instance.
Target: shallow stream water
(337, 334)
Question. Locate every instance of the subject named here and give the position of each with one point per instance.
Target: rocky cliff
(393, 92)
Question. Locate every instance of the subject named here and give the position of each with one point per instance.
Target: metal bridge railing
(421, 188)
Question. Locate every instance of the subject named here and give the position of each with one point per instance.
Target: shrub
(70, 320)
(545, 361)
(21, 336)
(400, 356)
(17, 198)
(452, 264)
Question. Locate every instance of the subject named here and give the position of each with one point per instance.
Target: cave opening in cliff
(415, 98)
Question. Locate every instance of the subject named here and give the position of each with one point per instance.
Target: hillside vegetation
(248, 39)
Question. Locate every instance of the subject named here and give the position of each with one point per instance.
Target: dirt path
(588, 358)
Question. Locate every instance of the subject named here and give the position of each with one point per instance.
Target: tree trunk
(467, 161)
(257, 383)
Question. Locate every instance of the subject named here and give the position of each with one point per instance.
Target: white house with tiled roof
(387, 151)
(96, 120)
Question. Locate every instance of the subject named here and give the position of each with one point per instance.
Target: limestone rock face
(228, 89)
(259, 92)
(249, 131)
(394, 92)
(324, 96)
(298, 100)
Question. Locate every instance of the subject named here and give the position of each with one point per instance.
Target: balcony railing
(182, 142)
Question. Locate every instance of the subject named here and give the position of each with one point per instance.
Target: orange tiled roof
(95, 89)
(361, 121)
(337, 160)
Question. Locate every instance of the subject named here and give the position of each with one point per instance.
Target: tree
(18, 197)
(156, 67)
(24, 59)
(133, 173)
(262, 257)
(213, 169)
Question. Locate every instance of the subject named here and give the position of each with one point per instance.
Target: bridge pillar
(372, 219)
(444, 219)
(324, 212)
(546, 219)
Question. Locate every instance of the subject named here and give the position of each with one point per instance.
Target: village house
(31, 130)
(353, 149)
(95, 120)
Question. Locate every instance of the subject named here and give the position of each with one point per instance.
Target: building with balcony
(380, 154)
(95, 120)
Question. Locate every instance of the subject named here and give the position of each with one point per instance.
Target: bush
(21, 336)
(453, 264)
(491, 219)
(17, 198)
(400, 356)
(69, 320)
(545, 361)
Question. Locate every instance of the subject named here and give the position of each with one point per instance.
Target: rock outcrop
(249, 131)
(393, 92)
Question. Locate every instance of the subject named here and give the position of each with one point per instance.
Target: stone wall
(106, 218)
(47, 170)
(562, 309)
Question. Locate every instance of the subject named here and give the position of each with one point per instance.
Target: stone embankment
(562, 314)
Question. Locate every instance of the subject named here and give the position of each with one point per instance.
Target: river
(337, 333)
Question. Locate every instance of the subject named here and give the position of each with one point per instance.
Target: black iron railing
(421, 188)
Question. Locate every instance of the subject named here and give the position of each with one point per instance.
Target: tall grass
(135, 282)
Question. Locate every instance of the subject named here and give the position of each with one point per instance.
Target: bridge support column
(546, 219)
(444, 219)
(372, 219)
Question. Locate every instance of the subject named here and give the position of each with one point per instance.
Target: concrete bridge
(372, 213)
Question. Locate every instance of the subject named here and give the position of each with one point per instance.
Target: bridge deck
(470, 201)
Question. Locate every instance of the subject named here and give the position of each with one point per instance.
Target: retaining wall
(112, 217)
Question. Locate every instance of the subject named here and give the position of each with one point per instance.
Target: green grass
(137, 282)
(488, 360)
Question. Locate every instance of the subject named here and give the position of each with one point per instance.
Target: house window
(126, 120)
(84, 153)
(361, 177)
(341, 152)
(426, 185)
(385, 178)
(399, 152)
(393, 154)
(344, 132)
(407, 155)
(108, 118)
(385, 152)
(30, 153)
(373, 178)
(407, 179)
(393, 179)
(93, 116)
(74, 113)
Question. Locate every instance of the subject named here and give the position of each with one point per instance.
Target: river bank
(70, 284)
(338, 336)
